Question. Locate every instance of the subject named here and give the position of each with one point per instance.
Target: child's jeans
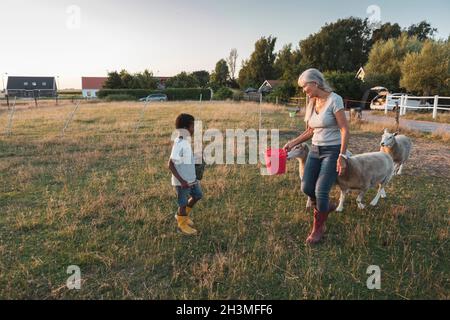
(320, 174)
(195, 191)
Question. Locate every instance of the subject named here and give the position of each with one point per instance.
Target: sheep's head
(299, 152)
(388, 139)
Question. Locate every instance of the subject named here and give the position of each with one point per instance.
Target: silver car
(155, 97)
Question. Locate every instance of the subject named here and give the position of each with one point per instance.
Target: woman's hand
(288, 147)
(339, 167)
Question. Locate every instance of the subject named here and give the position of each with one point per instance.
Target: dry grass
(100, 198)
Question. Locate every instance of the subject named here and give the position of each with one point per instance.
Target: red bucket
(276, 161)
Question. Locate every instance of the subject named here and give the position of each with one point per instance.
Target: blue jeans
(183, 195)
(320, 174)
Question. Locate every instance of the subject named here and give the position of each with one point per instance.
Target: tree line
(397, 58)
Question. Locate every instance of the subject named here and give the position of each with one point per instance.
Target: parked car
(155, 97)
(390, 99)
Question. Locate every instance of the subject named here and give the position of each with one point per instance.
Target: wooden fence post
(435, 106)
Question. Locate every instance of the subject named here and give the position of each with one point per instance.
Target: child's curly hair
(184, 121)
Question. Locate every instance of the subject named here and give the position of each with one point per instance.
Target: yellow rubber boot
(189, 220)
(184, 227)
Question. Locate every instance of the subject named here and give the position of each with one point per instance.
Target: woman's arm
(342, 122)
(305, 136)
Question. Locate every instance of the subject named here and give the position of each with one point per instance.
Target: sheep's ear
(395, 134)
(386, 130)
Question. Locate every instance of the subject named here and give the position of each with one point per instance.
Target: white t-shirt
(183, 159)
(326, 129)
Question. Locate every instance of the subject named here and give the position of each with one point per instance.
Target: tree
(422, 31)
(346, 84)
(385, 58)
(287, 64)
(127, 79)
(386, 32)
(202, 77)
(182, 80)
(223, 93)
(231, 61)
(342, 46)
(427, 72)
(221, 73)
(144, 80)
(114, 81)
(260, 66)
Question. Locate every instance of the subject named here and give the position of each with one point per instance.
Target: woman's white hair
(314, 75)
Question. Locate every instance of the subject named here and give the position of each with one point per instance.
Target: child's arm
(174, 171)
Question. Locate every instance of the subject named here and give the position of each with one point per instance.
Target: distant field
(100, 198)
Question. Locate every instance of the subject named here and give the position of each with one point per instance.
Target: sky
(75, 38)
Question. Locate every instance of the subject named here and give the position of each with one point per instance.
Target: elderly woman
(327, 125)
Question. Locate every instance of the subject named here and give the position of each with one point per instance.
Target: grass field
(100, 198)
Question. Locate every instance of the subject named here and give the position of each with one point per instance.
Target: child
(182, 166)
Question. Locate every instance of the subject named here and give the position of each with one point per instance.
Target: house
(361, 74)
(161, 82)
(31, 87)
(269, 85)
(91, 85)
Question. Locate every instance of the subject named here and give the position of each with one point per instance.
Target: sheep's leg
(400, 169)
(396, 168)
(377, 197)
(359, 200)
(383, 193)
(309, 203)
(340, 208)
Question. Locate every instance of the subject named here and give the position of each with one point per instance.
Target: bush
(172, 94)
(223, 94)
(119, 97)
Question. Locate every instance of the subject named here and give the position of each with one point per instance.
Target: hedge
(119, 97)
(172, 94)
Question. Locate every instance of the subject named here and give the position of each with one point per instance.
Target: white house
(91, 85)
(269, 85)
(361, 74)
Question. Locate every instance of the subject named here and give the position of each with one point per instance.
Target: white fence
(405, 102)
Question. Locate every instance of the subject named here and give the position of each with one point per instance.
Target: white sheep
(300, 152)
(361, 173)
(398, 147)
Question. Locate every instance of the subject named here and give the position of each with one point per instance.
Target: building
(361, 74)
(31, 87)
(91, 85)
(161, 82)
(269, 85)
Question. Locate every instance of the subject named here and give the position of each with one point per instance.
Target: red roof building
(91, 85)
